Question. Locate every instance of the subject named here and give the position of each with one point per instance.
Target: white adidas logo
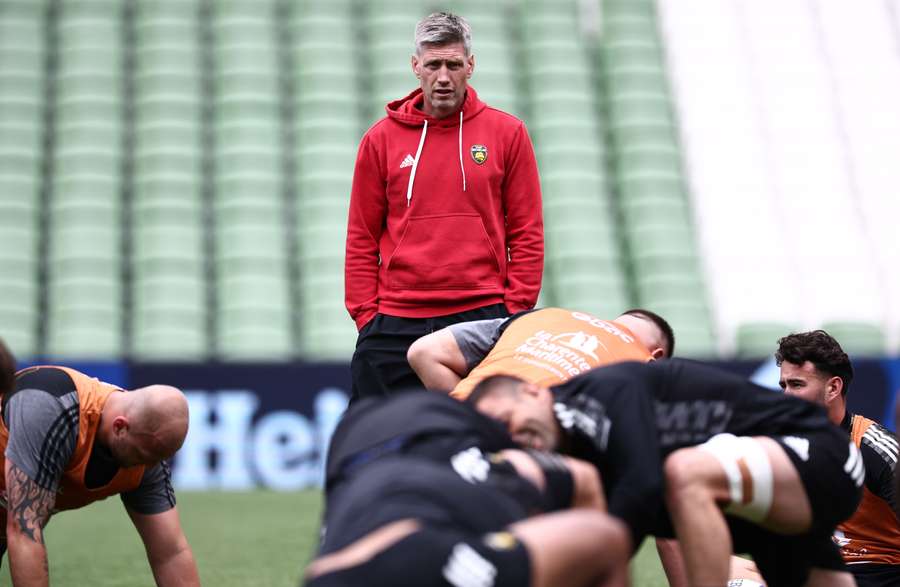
(408, 161)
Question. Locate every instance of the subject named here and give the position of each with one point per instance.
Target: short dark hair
(819, 348)
(7, 369)
(660, 322)
(493, 385)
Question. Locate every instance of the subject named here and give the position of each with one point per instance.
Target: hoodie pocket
(450, 251)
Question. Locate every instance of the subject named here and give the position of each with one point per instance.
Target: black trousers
(379, 366)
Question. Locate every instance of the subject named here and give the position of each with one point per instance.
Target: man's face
(528, 415)
(804, 381)
(444, 71)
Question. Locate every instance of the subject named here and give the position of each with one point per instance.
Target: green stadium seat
(82, 334)
(858, 338)
(175, 34)
(19, 330)
(169, 336)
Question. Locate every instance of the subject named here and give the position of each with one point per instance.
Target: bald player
(69, 440)
(544, 347)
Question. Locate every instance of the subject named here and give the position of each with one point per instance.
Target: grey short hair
(443, 28)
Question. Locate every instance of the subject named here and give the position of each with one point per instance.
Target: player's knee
(685, 473)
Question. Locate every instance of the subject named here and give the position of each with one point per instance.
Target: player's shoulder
(503, 117)
(51, 379)
(880, 440)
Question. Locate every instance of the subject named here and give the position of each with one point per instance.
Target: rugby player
(814, 367)
(68, 440)
(774, 465)
(451, 508)
(546, 347)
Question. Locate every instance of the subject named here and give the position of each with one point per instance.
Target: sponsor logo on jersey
(501, 540)
(579, 341)
(466, 568)
(408, 161)
(479, 153)
(586, 416)
(840, 538)
(691, 421)
(471, 465)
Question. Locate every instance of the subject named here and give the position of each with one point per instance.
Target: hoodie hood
(406, 111)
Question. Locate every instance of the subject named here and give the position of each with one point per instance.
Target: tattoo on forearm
(28, 503)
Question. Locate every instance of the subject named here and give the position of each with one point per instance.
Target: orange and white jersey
(545, 347)
(872, 534)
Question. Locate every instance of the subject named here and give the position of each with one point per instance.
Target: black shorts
(875, 575)
(833, 491)
(785, 561)
(440, 557)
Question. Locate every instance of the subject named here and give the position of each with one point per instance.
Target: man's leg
(752, 477)
(379, 365)
(575, 547)
(696, 485)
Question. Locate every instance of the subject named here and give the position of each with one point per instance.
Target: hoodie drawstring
(461, 168)
(412, 174)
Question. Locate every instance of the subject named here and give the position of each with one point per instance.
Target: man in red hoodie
(445, 214)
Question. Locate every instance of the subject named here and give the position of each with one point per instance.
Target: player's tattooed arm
(28, 510)
(28, 504)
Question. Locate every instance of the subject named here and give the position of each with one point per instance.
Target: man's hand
(28, 509)
(167, 548)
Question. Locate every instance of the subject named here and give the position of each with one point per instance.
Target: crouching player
(422, 490)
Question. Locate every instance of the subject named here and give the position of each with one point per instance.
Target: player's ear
(120, 425)
(658, 353)
(834, 388)
(470, 65)
(529, 388)
(414, 61)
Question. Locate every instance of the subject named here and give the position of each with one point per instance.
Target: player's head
(7, 369)
(651, 329)
(443, 62)
(524, 408)
(150, 427)
(813, 367)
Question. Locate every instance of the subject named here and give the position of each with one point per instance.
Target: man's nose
(443, 75)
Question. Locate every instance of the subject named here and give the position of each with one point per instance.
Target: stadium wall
(269, 425)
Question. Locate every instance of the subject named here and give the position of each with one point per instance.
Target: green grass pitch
(258, 539)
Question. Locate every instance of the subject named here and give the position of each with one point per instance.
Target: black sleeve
(879, 451)
(155, 494)
(620, 420)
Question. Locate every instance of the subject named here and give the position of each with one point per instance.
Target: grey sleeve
(155, 494)
(476, 338)
(43, 431)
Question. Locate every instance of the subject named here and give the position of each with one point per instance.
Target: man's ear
(658, 353)
(529, 388)
(120, 424)
(470, 65)
(834, 388)
(414, 61)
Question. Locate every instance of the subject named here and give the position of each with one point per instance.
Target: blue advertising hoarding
(269, 425)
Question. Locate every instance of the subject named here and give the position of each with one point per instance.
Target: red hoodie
(451, 233)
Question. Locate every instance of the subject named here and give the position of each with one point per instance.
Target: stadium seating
(84, 286)
(175, 174)
(657, 221)
(22, 105)
(169, 297)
